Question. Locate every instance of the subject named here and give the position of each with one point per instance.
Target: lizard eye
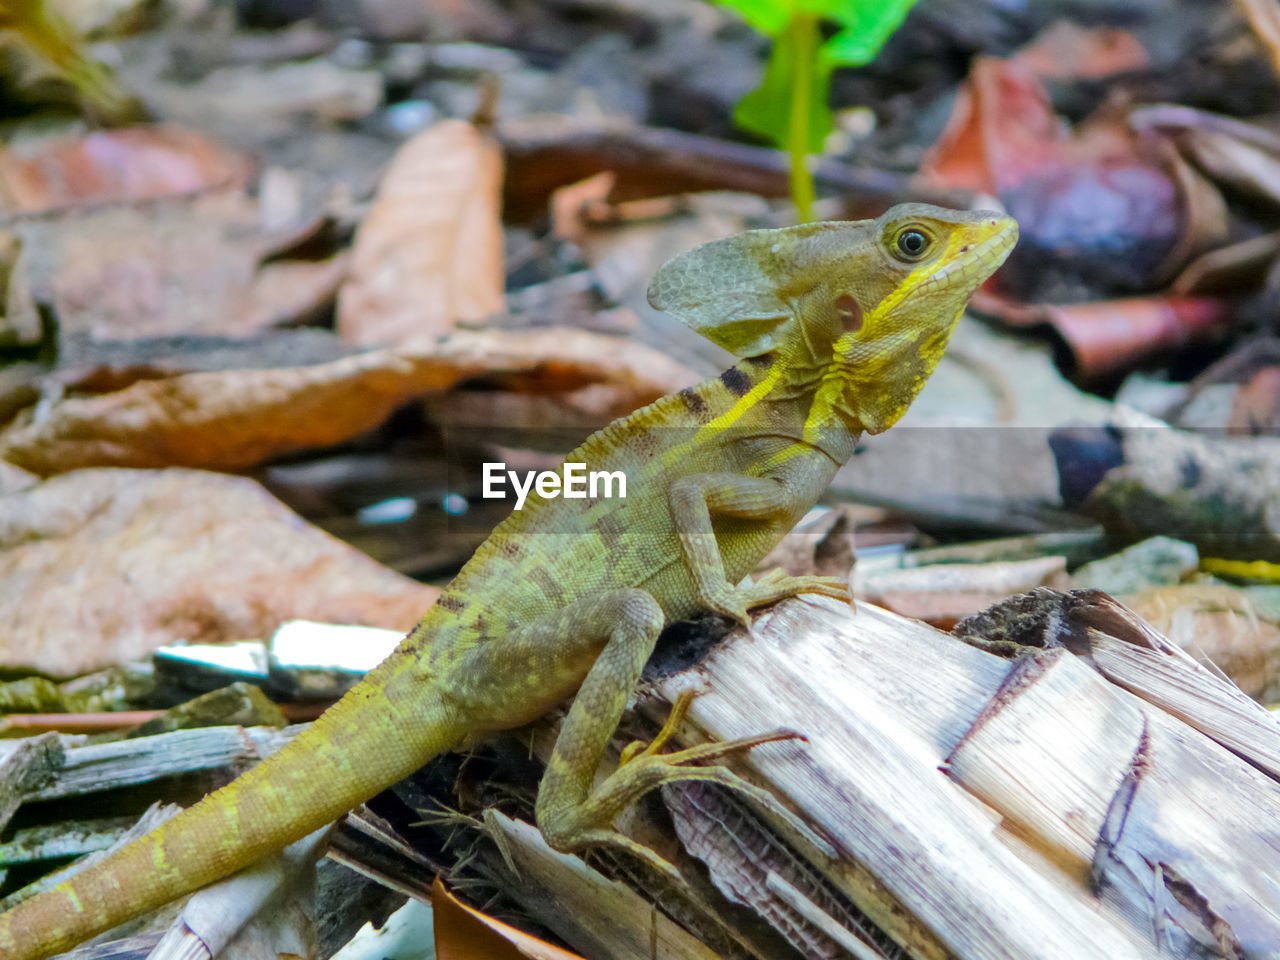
(912, 243)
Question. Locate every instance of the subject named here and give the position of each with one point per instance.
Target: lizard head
(897, 310)
(862, 308)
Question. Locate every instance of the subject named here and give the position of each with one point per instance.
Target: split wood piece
(70, 838)
(1131, 653)
(1061, 785)
(26, 766)
(598, 916)
(1155, 819)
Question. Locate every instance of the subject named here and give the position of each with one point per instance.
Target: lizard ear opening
(849, 310)
(725, 291)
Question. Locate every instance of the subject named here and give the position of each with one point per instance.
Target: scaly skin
(838, 326)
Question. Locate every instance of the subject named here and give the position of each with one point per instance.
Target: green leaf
(767, 109)
(770, 17)
(866, 27)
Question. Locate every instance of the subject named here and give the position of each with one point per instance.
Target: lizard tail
(386, 727)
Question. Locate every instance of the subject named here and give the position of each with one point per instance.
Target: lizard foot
(612, 838)
(643, 768)
(773, 586)
(686, 765)
(734, 605)
(638, 749)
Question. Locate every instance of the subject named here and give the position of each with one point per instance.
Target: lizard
(836, 326)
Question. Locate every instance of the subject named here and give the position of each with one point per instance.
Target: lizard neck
(869, 392)
(793, 396)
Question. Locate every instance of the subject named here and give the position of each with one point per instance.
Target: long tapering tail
(386, 727)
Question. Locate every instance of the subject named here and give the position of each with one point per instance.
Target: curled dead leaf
(1109, 335)
(1101, 204)
(464, 933)
(234, 419)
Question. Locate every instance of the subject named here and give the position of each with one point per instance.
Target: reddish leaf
(113, 166)
(1068, 51)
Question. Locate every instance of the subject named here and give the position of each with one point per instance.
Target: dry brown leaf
(290, 291)
(1106, 336)
(1068, 51)
(464, 933)
(569, 203)
(237, 418)
(179, 268)
(113, 166)
(99, 567)
(430, 251)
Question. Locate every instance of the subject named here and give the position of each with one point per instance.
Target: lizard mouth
(973, 265)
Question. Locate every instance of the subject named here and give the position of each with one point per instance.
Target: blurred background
(278, 276)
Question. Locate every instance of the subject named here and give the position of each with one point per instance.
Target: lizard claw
(734, 605)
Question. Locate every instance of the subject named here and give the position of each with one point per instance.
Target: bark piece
(1223, 495)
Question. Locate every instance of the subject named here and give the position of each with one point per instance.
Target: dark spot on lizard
(547, 584)
(610, 530)
(735, 381)
(850, 312)
(452, 604)
(764, 361)
(1190, 471)
(510, 549)
(694, 403)
(644, 444)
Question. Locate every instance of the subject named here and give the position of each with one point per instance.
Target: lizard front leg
(694, 499)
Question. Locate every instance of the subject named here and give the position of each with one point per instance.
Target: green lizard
(837, 325)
